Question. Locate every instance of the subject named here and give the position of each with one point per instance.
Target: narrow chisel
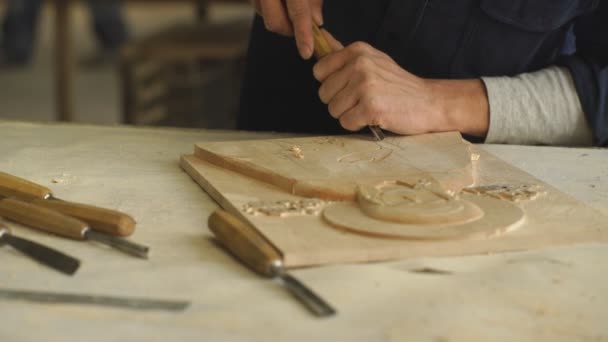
(43, 254)
(55, 222)
(104, 220)
(255, 251)
(322, 49)
(85, 299)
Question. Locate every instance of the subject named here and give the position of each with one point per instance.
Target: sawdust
(64, 178)
(297, 152)
(509, 192)
(285, 208)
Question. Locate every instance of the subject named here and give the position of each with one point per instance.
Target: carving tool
(43, 254)
(322, 49)
(55, 222)
(84, 299)
(255, 251)
(104, 220)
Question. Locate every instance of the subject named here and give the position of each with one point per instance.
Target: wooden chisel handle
(41, 218)
(104, 220)
(108, 221)
(244, 242)
(322, 47)
(13, 186)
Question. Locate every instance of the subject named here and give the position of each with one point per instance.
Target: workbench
(556, 294)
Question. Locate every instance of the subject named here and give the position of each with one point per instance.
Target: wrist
(461, 105)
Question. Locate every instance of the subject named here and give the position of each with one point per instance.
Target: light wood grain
(331, 167)
(552, 220)
(499, 217)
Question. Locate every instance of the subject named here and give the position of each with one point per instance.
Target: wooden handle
(41, 218)
(109, 221)
(244, 242)
(322, 47)
(13, 186)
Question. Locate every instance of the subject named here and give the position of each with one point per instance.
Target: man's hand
(292, 17)
(363, 86)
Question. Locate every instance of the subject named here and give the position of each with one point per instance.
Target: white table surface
(558, 294)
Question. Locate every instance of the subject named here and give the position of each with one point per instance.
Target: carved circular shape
(499, 217)
(422, 203)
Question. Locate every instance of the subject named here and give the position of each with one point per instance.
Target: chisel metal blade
(44, 255)
(85, 299)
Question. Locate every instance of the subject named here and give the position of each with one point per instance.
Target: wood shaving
(285, 208)
(63, 179)
(513, 193)
(297, 152)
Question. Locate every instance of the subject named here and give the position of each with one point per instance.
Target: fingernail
(305, 51)
(319, 19)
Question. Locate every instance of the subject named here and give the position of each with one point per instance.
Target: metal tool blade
(84, 299)
(45, 255)
(118, 243)
(377, 132)
(306, 296)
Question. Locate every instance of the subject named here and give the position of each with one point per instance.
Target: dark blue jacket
(438, 39)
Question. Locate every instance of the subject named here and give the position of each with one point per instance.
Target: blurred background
(173, 63)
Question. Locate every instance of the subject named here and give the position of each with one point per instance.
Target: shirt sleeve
(535, 108)
(589, 69)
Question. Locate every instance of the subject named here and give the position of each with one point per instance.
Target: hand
(363, 86)
(292, 17)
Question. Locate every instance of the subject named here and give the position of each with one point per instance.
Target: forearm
(536, 108)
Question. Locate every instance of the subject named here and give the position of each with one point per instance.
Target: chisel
(322, 49)
(55, 222)
(104, 220)
(255, 251)
(85, 299)
(43, 254)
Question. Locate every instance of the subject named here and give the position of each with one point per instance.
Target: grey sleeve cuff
(538, 108)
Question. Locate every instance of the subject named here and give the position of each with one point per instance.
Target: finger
(343, 102)
(275, 17)
(316, 7)
(301, 18)
(332, 85)
(337, 60)
(354, 119)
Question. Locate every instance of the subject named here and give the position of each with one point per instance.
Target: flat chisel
(43, 254)
(322, 49)
(85, 299)
(255, 251)
(104, 220)
(57, 223)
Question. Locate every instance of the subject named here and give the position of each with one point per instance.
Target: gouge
(244, 242)
(104, 220)
(85, 299)
(43, 254)
(55, 222)
(322, 49)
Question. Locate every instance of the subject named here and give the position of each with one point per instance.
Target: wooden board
(332, 167)
(551, 220)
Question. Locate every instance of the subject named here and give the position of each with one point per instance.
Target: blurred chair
(185, 76)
